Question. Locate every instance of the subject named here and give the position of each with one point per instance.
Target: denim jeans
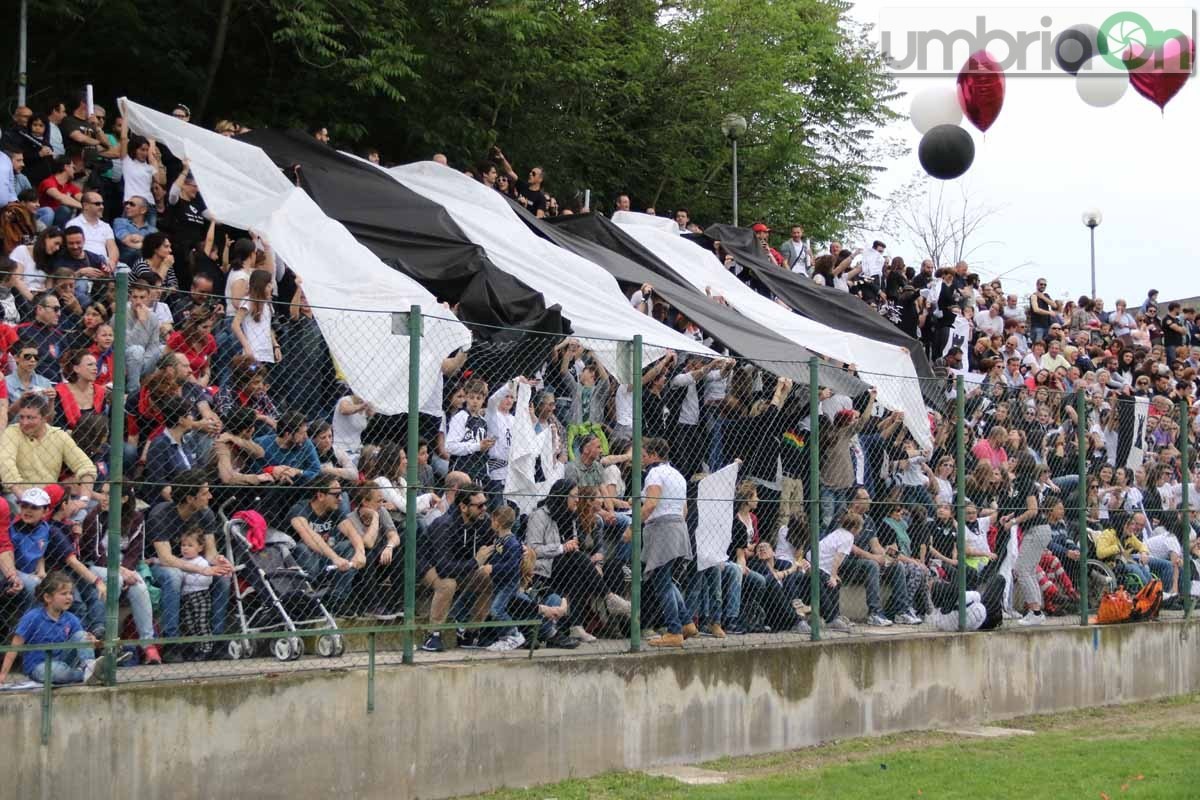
(660, 587)
(702, 600)
(867, 573)
(833, 504)
(140, 361)
(45, 216)
(70, 669)
(504, 593)
(170, 583)
(316, 566)
(138, 597)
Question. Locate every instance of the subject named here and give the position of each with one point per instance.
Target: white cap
(35, 497)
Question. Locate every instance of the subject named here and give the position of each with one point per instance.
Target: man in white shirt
(1012, 310)
(872, 262)
(98, 235)
(991, 323)
(665, 540)
(795, 251)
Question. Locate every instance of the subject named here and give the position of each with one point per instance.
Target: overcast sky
(1049, 156)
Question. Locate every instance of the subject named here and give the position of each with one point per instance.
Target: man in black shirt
(1175, 332)
(166, 522)
(326, 539)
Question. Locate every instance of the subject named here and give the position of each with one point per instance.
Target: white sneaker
(1010, 615)
(579, 633)
(879, 621)
(617, 605)
(93, 673)
(839, 624)
(507, 643)
(1032, 618)
(908, 618)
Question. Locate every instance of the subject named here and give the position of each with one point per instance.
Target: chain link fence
(219, 501)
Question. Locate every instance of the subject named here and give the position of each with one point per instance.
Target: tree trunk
(214, 62)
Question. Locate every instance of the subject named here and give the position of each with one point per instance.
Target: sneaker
(735, 629)
(617, 605)
(1032, 618)
(582, 635)
(667, 640)
(908, 618)
(433, 644)
(384, 615)
(800, 607)
(507, 643)
(839, 624)
(802, 628)
(468, 640)
(1010, 615)
(879, 621)
(150, 655)
(93, 673)
(561, 641)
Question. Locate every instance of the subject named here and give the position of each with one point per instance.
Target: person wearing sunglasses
(132, 229)
(327, 538)
(25, 379)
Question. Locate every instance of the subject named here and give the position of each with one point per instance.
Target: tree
(944, 224)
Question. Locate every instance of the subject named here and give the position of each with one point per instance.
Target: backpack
(1147, 602)
(1115, 607)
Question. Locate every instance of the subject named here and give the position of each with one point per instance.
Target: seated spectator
(102, 348)
(195, 339)
(29, 535)
(326, 541)
(167, 455)
(247, 388)
(98, 236)
(25, 379)
(387, 469)
(333, 460)
(34, 454)
(132, 229)
(143, 338)
(82, 335)
(51, 622)
(235, 452)
(165, 526)
(79, 395)
(44, 333)
(156, 257)
(35, 262)
(449, 557)
(93, 551)
(59, 192)
(380, 590)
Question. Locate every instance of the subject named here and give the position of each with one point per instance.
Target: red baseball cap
(760, 227)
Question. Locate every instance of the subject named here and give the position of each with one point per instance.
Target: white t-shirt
(624, 406)
(95, 236)
(34, 278)
(836, 541)
(235, 276)
(1162, 544)
(347, 429)
(783, 548)
(138, 177)
(872, 263)
(258, 333)
(673, 491)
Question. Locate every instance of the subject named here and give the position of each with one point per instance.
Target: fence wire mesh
(561, 493)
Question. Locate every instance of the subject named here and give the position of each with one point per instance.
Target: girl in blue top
(49, 623)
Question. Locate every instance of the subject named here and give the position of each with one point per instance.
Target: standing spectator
(141, 166)
(665, 534)
(195, 601)
(762, 235)
(795, 251)
(1042, 310)
(252, 322)
(504, 568)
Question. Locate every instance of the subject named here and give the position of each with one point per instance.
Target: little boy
(505, 568)
(195, 602)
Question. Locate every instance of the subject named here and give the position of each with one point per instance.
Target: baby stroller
(273, 593)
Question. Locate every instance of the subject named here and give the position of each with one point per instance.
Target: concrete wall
(448, 729)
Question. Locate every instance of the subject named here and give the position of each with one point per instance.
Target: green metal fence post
(371, 672)
(960, 495)
(116, 476)
(47, 693)
(1185, 506)
(410, 519)
(635, 496)
(1081, 492)
(814, 496)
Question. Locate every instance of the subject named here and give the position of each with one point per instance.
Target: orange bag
(1114, 607)
(1148, 601)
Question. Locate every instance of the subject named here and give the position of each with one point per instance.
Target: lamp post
(1092, 217)
(733, 126)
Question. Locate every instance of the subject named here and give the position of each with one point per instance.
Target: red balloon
(1158, 73)
(981, 89)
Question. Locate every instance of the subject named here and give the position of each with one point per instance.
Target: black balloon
(1074, 46)
(946, 152)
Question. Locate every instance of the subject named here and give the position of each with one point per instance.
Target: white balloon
(1101, 83)
(935, 106)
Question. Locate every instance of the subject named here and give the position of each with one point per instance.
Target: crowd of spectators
(233, 402)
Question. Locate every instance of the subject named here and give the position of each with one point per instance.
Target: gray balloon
(1074, 46)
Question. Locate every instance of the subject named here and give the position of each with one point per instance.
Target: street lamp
(1092, 217)
(733, 126)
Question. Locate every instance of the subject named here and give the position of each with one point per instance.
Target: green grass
(1144, 751)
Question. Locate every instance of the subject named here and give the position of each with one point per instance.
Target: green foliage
(609, 95)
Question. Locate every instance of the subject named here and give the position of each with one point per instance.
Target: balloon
(1074, 46)
(1159, 72)
(1100, 82)
(946, 152)
(935, 106)
(981, 89)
